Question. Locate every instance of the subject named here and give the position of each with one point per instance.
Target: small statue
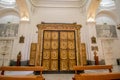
(96, 58)
(19, 59)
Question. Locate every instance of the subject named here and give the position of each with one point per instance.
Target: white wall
(57, 15)
(109, 48)
(50, 15)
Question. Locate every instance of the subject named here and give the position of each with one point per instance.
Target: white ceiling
(8, 0)
(58, 3)
(23, 8)
(58, 0)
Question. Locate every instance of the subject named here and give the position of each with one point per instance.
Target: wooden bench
(33, 77)
(93, 67)
(21, 68)
(95, 76)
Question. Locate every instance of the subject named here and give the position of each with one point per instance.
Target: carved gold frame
(50, 26)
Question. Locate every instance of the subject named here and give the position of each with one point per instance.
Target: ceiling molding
(107, 13)
(58, 3)
(7, 6)
(8, 11)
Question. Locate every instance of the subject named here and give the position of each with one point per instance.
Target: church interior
(62, 39)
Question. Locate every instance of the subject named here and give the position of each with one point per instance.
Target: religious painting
(106, 31)
(93, 40)
(9, 30)
(94, 48)
(21, 40)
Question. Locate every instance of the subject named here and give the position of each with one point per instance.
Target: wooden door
(67, 50)
(50, 50)
(58, 52)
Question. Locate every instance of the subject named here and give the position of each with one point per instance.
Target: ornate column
(78, 42)
(39, 47)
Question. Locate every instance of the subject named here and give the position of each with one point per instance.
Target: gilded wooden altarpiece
(59, 46)
(83, 51)
(33, 53)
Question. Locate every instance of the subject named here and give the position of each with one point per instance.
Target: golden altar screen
(58, 47)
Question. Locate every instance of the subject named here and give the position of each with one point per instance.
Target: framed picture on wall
(9, 30)
(106, 31)
(93, 40)
(21, 40)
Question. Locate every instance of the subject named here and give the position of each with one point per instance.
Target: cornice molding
(7, 5)
(59, 3)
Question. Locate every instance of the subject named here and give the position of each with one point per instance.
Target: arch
(107, 14)
(8, 11)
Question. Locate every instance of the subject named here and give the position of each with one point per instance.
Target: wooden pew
(33, 77)
(21, 68)
(95, 76)
(93, 67)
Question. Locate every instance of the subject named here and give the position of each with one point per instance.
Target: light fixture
(24, 17)
(90, 19)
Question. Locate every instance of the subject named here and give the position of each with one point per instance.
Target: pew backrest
(93, 67)
(97, 76)
(33, 77)
(21, 68)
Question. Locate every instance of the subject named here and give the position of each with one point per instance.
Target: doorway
(59, 50)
